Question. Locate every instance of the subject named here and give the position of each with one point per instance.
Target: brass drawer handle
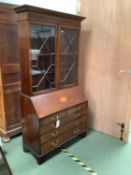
(53, 125)
(76, 122)
(55, 144)
(75, 115)
(52, 118)
(76, 131)
(55, 118)
(55, 134)
(79, 107)
(78, 114)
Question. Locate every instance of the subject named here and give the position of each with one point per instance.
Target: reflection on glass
(43, 57)
(69, 42)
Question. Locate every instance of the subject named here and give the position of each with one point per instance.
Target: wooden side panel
(2, 111)
(12, 89)
(7, 14)
(9, 44)
(105, 51)
(30, 125)
(12, 104)
(10, 69)
(25, 56)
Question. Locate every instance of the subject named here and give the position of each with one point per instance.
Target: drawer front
(77, 109)
(53, 117)
(56, 142)
(63, 121)
(58, 131)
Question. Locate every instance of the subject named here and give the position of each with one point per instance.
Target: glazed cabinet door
(43, 51)
(69, 56)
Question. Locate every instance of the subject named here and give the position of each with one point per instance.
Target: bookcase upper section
(49, 49)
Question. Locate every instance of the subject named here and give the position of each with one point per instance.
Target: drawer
(58, 131)
(64, 120)
(77, 109)
(56, 142)
(53, 117)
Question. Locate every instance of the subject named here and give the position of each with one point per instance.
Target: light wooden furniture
(54, 108)
(10, 85)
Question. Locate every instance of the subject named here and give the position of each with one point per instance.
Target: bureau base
(41, 158)
(47, 125)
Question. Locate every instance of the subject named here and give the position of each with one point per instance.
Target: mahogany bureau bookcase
(54, 108)
(10, 83)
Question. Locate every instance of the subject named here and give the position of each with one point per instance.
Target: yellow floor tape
(86, 167)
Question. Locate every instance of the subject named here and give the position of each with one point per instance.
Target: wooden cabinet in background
(10, 85)
(54, 108)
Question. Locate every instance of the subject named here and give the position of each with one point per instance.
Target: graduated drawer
(77, 108)
(70, 111)
(68, 118)
(58, 131)
(56, 142)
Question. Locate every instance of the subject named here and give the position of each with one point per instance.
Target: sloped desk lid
(47, 104)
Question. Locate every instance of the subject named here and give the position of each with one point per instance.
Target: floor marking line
(82, 164)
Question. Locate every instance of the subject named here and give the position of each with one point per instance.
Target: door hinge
(122, 127)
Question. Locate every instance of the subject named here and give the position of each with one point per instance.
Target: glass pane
(69, 43)
(43, 57)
